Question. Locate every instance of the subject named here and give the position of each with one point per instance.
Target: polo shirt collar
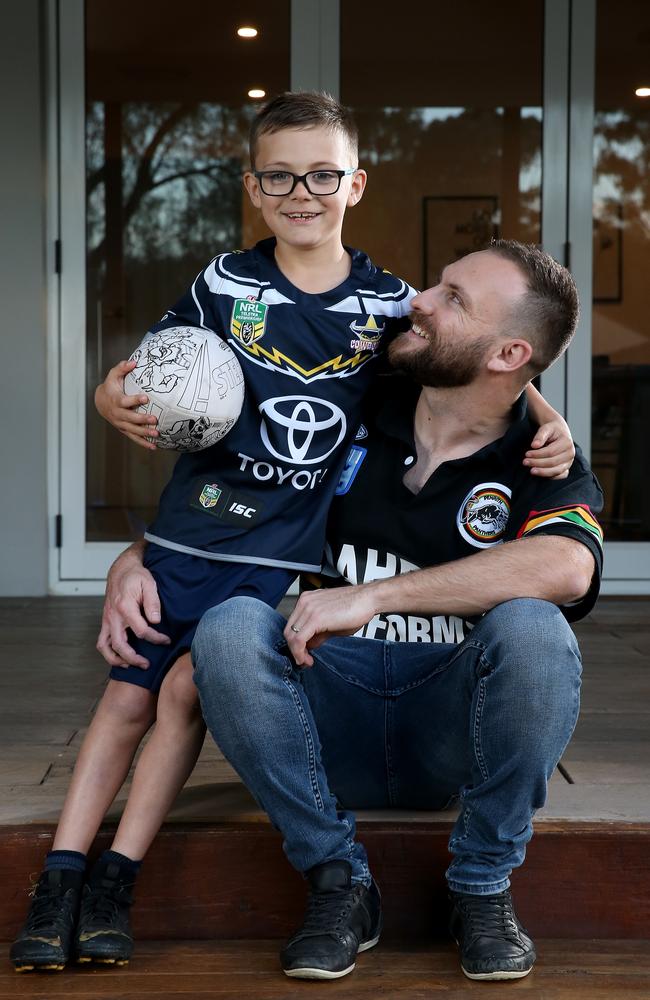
(395, 419)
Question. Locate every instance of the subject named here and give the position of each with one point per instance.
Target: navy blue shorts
(188, 586)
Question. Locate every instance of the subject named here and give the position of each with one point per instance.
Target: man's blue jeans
(376, 724)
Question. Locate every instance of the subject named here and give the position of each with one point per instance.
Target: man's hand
(121, 410)
(552, 450)
(130, 590)
(320, 614)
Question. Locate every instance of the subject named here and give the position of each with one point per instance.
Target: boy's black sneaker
(493, 944)
(44, 942)
(342, 918)
(103, 932)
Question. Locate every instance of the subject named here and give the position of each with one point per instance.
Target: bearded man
(396, 686)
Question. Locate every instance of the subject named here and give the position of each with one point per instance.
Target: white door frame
(567, 206)
(79, 560)
(78, 566)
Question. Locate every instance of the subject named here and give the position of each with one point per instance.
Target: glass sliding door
(620, 370)
(462, 140)
(451, 128)
(167, 118)
(164, 127)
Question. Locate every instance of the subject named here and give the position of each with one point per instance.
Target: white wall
(23, 487)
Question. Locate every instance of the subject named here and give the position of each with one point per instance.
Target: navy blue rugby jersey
(378, 528)
(262, 493)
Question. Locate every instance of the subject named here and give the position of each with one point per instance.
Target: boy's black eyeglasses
(279, 183)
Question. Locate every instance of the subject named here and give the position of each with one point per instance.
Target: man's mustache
(423, 323)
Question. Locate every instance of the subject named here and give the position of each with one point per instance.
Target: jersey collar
(361, 271)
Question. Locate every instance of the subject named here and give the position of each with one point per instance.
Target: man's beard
(438, 365)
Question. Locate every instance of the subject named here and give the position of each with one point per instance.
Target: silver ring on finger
(295, 628)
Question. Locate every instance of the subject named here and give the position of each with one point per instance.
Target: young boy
(322, 314)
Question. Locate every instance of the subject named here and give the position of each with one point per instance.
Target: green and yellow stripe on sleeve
(578, 515)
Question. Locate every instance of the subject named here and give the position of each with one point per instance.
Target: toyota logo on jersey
(301, 429)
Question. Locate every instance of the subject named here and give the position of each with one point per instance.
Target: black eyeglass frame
(297, 178)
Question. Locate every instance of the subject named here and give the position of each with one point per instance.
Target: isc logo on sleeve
(241, 510)
(219, 501)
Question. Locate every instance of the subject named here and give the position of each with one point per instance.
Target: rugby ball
(194, 383)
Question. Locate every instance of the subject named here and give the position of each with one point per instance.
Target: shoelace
(103, 902)
(326, 912)
(491, 916)
(45, 909)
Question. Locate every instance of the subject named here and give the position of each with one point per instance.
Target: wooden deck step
(199, 970)
(231, 880)
(217, 870)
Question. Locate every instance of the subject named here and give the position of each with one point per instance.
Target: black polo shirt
(377, 527)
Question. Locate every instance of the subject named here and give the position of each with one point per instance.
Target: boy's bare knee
(129, 703)
(178, 692)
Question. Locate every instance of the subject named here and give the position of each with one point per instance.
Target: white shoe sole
(496, 975)
(308, 973)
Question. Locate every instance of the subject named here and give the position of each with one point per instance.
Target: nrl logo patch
(369, 334)
(209, 495)
(248, 321)
(483, 514)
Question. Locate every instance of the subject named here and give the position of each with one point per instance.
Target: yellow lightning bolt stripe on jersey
(276, 357)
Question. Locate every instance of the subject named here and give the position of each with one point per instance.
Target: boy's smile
(301, 220)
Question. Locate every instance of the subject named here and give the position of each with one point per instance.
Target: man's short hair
(304, 109)
(548, 314)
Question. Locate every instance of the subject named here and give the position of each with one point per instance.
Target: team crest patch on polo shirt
(483, 514)
(248, 321)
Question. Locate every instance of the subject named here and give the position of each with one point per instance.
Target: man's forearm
(553, 569)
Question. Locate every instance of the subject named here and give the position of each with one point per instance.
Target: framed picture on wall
(608, 253)
(454, 225)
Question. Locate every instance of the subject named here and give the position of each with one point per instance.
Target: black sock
(70, 861)
(127, 865)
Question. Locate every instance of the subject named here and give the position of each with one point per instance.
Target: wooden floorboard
(51, 678)
(577, 970)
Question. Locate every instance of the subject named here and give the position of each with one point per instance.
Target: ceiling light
(256, 93)
(247, 32)
(642, 91)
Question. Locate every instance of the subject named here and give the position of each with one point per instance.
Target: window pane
(451, 128)
(621, 259)
(167, 119)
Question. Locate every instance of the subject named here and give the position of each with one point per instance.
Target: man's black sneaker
(342, 918)
(44, 942)
(103, 932)
(493, 944)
